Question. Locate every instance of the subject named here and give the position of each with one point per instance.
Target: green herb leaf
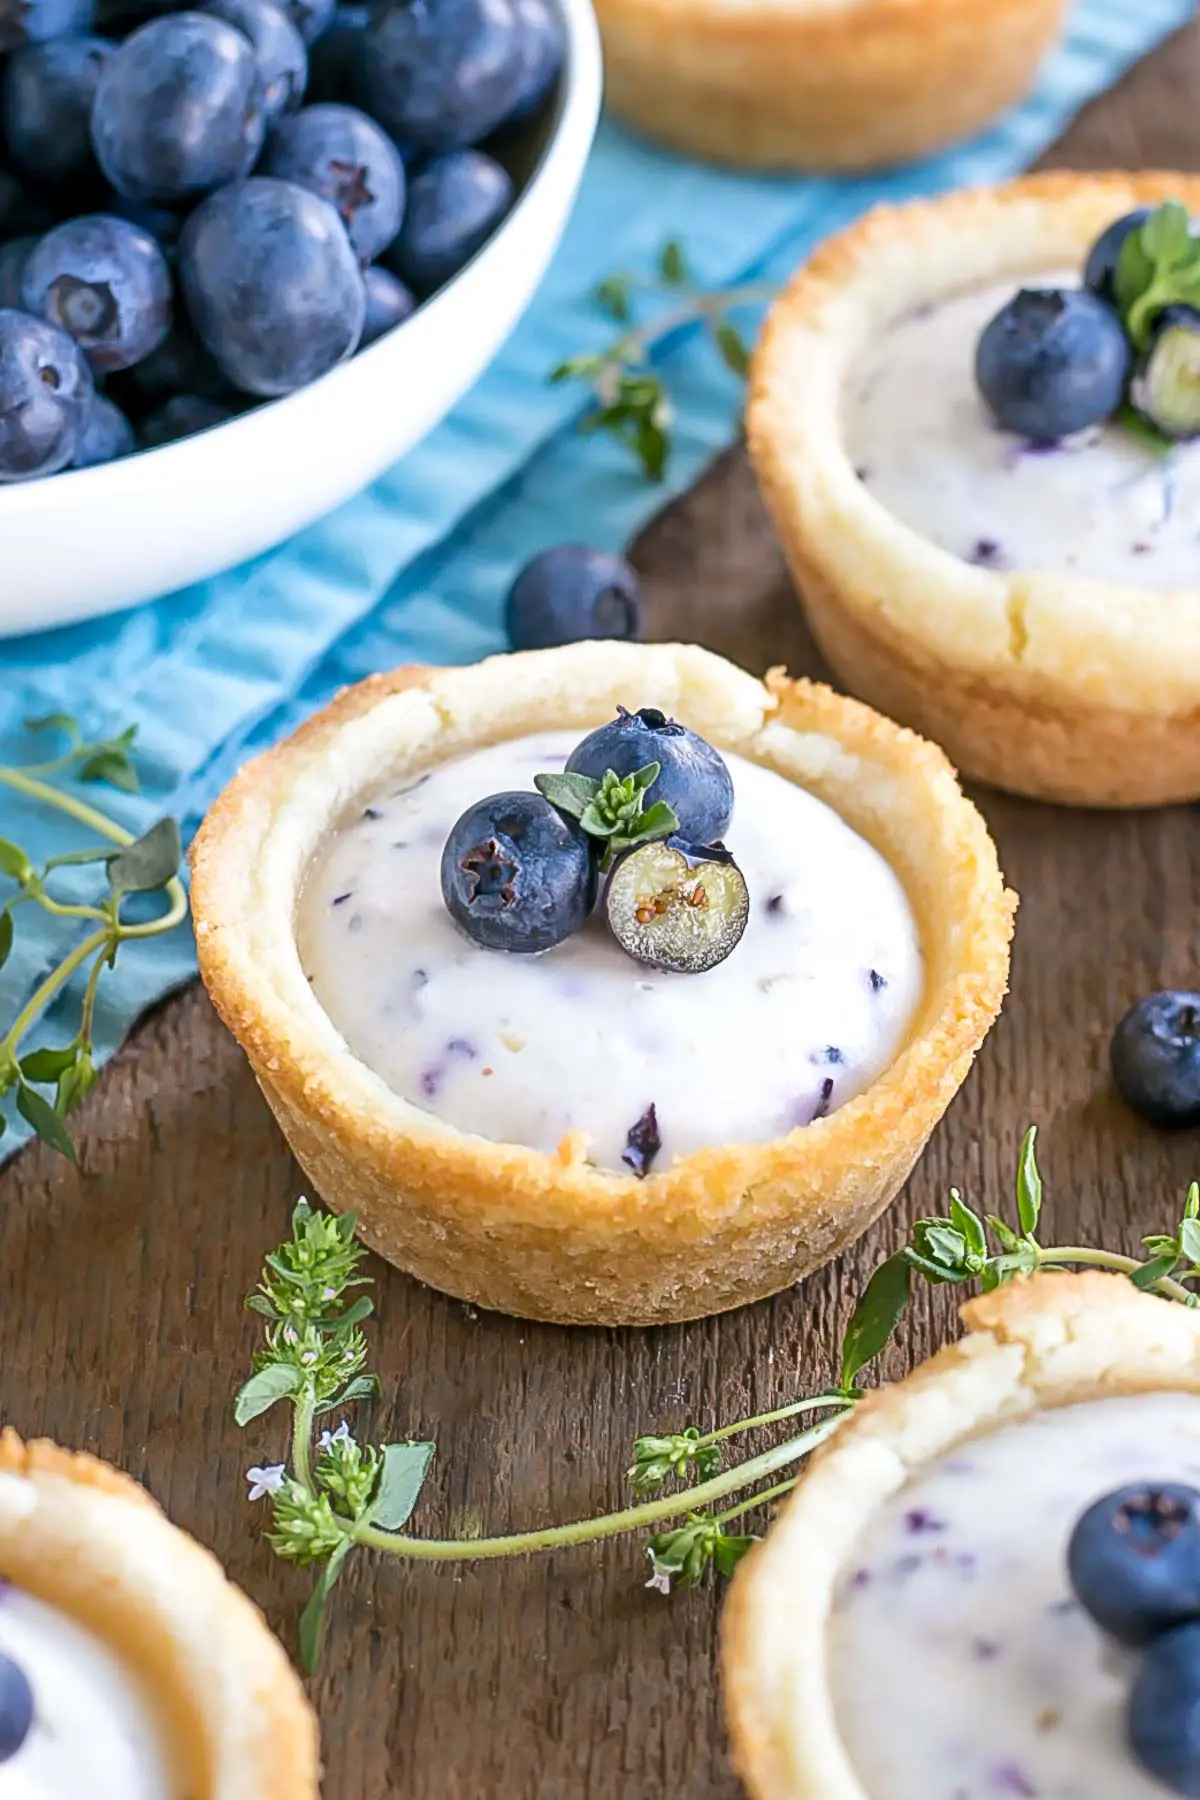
(1153, 1271)
(880, 1308)
(613, 296)
(401, 1478)
(574, 367)
(47, 1064)
(1165, 234)
(148, 863)
(75, 1082)
(571, 793)
(1007, 1236)
(14, 862)
(363, 1387)
(6, 936)
(56, 721)
(969, 1225)
(672, 263)
(355, 1313)
(735, 353)
(1189, 1238)
(653, 448)
(1029, 1185)
(277, 1381)
(312, 1619)
(39, 1114)
(1191, 1208)
(659, 822)
(729, 1551)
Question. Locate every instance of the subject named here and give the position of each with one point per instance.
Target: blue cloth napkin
(415, 568)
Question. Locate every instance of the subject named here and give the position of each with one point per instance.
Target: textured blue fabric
(415, 567)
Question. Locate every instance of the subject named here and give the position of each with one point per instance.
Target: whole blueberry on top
(1134, 1560)
(1155, 1058)
(310, 17)
(571, 592)
(278, 46)
(46, 105)
(455, 202)
(37, 21)
(1052, 362)
(179, 109)
(16, 1707)
(1102, 258)
(442, 74)
(693, 780)
(389, 303)
(335, 63)
(517, 875)
(339, 153)
(13, 257)
(45, 393)
(181, 416)
(106, 435)
(1165, 389)
(543, 47)
(1164, 1710)
(107, 283)
(272, 285)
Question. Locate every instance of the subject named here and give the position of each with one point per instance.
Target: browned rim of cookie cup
(1048, 684)
(550, 1236)
(810, 85)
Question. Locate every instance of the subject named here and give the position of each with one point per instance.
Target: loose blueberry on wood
(45, 394)
(389, 303)
(337, 152)
(455, 203)
(46, 105)
(693, 779)
(1102, 258)
(104, 281)
(1164, 1710)
(278, 48)
(571, 592)
(1134, 1560)
(1166, 384)
(272, 285)
(516, 875)
(106, 435)
(676, 906)
(16, 1707)
(1052, 362)
(443, 74)
(1155, 1058)
(179, 109)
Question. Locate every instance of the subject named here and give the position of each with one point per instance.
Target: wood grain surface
(121, 1322)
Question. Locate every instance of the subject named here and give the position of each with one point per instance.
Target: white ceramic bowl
(96, 540)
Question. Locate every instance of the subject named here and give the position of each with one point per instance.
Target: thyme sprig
(50, 1081)
(631, 403)
(349, 1496)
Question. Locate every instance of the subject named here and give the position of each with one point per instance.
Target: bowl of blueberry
(250, 254)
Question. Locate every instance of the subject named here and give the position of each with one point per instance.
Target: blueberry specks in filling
(826, 1095)
(643, 1143)
(341, 899)
(1010, 1778)
(431, 1081)
(830, 1054)
(878, 981)
(986, 553)
(371, 813)
(776, 906)
(919, 1520)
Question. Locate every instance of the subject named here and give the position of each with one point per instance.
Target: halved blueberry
(1166, 384)
(692, 779)
(517, 875)
(1155, 1058)
(1134, 1560)
(1102, 258)
(677, 906)
(570, 592)
(1052, 362)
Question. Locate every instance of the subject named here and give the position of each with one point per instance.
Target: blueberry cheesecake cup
(605, 984)
(130, 1668)
(987, 1583)
(974, 423)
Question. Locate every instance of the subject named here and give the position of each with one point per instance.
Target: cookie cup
(551, 1236)
(819, 84)
(90, 1542)
(1049, 684)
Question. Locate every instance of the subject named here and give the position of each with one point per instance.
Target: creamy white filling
(925, 446)
(93, 1733)
(962, 1668)
(812, 1005)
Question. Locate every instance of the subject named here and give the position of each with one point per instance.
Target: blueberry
(181, 365)
(278, 47)
(37, 21)
(455, 203)
(442, 74)
(272, 285)
(1134, 1560)
(106, 435)
(337, 152)
(389, 303)
(13, 257)
(1155, 1058)
(1052, 362)
(543, 47)
(179, 109)
(1164, 1710)
(677, 906)
(517, 875)
(181, 416)
(1165, 389)
(693, 780)
(335, 62)
(310, 17)
(107, 283)
(163, 223)
(46, 104)
(572, 592)
(1102, 258)
(16, 1707)
(45, 393)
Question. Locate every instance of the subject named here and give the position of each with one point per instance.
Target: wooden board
(121, 1322)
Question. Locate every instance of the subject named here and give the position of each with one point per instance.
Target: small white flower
(328, 1439)
(266, 1481)
(660, 1581)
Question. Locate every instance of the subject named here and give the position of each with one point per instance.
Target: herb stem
(814, 1404)
(303, 1416)
(745, 1506)
(590, 1531)
(1109, 1259)
(633, 345)
(79, 810)
(45, 992)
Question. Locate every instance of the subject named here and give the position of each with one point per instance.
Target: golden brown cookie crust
(1052, 685)
(1049, 1341)
(552, 1237)
(819, 84)
(91, 1542)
